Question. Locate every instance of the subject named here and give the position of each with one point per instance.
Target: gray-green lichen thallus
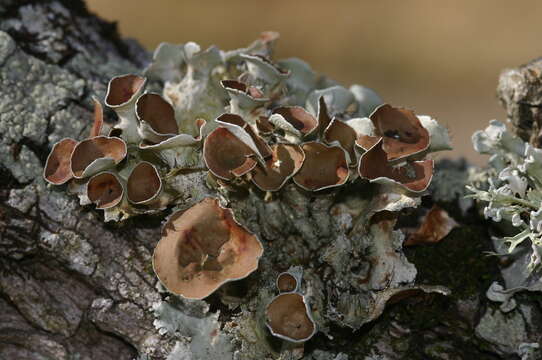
(510, 190)
(297, 171)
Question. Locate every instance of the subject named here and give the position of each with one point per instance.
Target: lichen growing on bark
(74, 286)
(317, 172)
(511, 191)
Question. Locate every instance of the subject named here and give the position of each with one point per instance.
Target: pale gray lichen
(511, 191)
(504, 331)
(46, 89)
(497, 293)
(197, 332)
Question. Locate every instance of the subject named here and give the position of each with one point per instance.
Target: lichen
(511, 193)
(317, 172)
(48, 87)
(197, 333)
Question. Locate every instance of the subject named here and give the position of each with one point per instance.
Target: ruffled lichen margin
(73, 285)
(356, 164)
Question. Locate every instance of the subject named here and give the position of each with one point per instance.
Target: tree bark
(74, 287)
(65, 276)
(520, 92)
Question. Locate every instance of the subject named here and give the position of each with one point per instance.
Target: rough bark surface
(520, 92)
(65, 276)
(72, 287)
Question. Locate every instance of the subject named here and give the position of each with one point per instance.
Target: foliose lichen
(294, 166)
(511, 192)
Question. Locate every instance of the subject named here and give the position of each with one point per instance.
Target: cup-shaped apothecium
(246, 133)
(203, 248)
(156, 118)
(105, 190)
(144, 183)
(339, 132)
(122, 93)
(93, 155)
(123, 89)
(226, 156)
(286, 282)
(289, 318)
(413, 176)
(285, 162)
(299, 118)
(324, 167)
(401, 132)
(57, 169)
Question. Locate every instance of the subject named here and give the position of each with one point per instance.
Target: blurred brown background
(437, 58)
